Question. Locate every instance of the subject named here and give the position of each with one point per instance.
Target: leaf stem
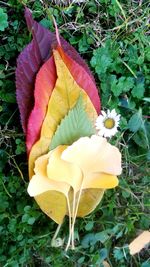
(56, 233)
(70, 224)
(70, 221)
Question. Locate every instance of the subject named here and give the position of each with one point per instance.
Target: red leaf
(44, 84)
(31, 59)
(47, 41)
(28, 64)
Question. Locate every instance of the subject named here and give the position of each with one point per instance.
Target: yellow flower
(87, 163)
(90, 163)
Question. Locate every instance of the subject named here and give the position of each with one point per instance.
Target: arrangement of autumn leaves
(70, 166)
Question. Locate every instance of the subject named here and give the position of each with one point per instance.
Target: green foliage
(76, 124)
(135, 121)
(3, 20)
(118, 51)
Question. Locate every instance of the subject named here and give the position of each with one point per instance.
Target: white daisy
(107, 123)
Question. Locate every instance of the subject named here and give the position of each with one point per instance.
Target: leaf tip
(57, 32)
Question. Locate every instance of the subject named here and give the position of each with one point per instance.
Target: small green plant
(3, 20)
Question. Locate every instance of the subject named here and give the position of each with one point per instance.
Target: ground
(113, 38)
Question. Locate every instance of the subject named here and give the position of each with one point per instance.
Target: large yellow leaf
(90, 198)
(53, 204)
(63, 98)
(94, 154)
(50, 195)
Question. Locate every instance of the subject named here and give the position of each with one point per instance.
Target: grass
(113, 38)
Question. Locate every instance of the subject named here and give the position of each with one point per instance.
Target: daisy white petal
(107, 123)
(103, 113)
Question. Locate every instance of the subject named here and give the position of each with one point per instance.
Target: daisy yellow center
(109, 123)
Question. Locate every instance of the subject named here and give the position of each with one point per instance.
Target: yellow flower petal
(63, 171)
(100, 180)
(94, 154)
(40, 183)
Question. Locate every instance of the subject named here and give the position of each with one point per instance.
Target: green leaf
(146, 263)
(102, 236)
(135, 121)
(140, 140)
(76, 124)
(89, 226)
(88, 240)
(31, 220)
(139, 89)
(147, 99)
(103, 254)
(3, 20)
(118, 254)
(123, 84)
(103, 57)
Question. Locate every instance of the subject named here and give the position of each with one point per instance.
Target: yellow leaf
(94, 154)
(49, 194)
(41, 183)
(139, 243)
(60, 170)
(53, 204)
(90, 198)
(63, 98)
(100, 180)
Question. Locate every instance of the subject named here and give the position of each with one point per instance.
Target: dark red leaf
(31, 59)
(27, 65)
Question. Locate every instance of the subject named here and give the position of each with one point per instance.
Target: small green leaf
(118, 254)
(146, 263)
(147, 99)
(88, 240)
(103, 254)
(31, 220)
(138, 90)
(89, 226)
(3, 20)
(123, 84)
(140, 140)
(135, 121)
(76, 124)
(102, 236)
